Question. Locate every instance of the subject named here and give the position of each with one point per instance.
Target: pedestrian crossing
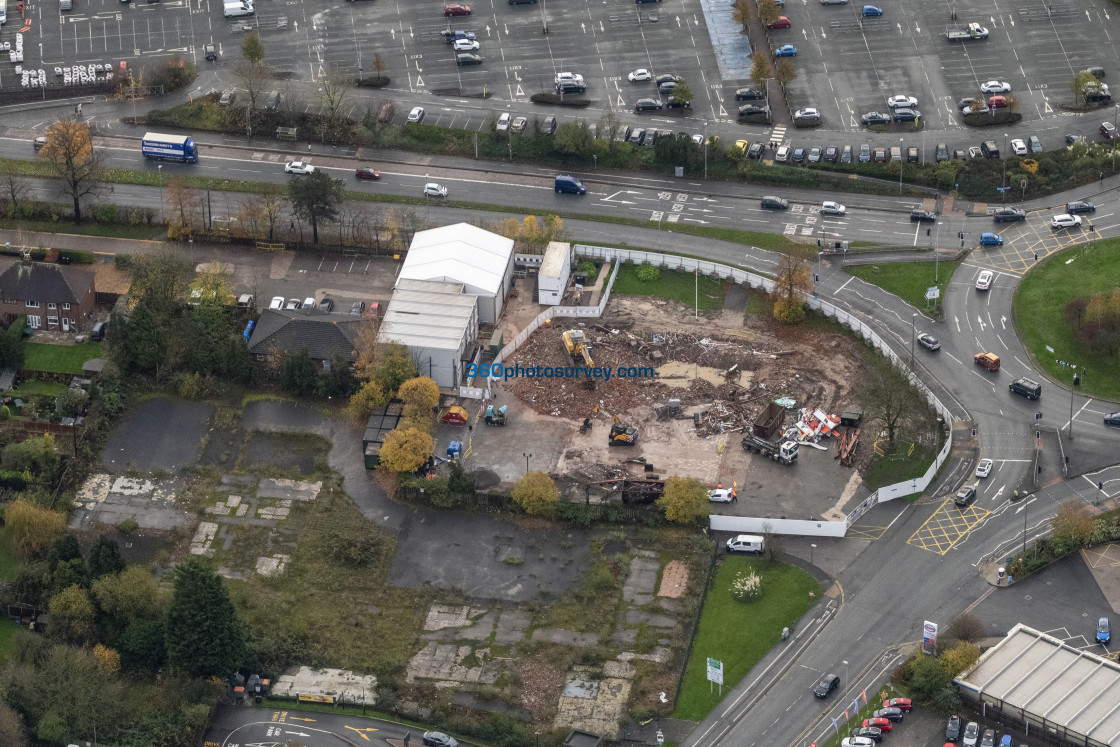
(778, 134)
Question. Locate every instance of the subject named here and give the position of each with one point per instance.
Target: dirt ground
(691, 360)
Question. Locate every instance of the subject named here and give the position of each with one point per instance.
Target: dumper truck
(784, 452)
(972, 31)
(769, 421)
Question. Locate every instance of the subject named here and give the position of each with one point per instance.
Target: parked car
(357, 308)
(875, 118)
(1080, 206)
(326, 305)
(753, 110)
(467, 58)
(997, 102)
(465, 45)
(1112, 419)
(227, 97)
(827, 684)
(417, 114)
(832, 154)
(941, 153)
(756, 150)
(503, 122)
(367, 174)
(1009, 215)
(548, 126)
(953, 728)
(457, 10)
(971, 734)
(864, 153)
(673, 103)
(832, 208)
(665, 78)
(928, 341)
(983, 469)
(879, 155)
(883, 724)
(894, 714)
(846, 154)
(749, 94)
(984, 280)
(786, 50)
(870, 11)
(870, 732)
(901, 100)
(439, 739)
(782, 154)
(386, 113)
(807, 115)
(647, 105)
(293, 304)
(519, 124)
(857, 742)
(1018, 147)
(815, 154)
(640, 75)
(906, 115)
(798, 155)
(276, 303)
(988, 739)
(996, 86)
(1034, 144)
(781, 23)
(1104, 631)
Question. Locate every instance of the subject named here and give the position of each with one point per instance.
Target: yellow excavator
(622, 434)
(578, 345)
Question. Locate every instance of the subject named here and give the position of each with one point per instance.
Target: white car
(465, 45)
(416, 115)
(984, 281)
(996, 86)
(1018, 147)
(900, 102)
(1065, 220)
(293, 304)
(503, 121)
(309, 303)
(782, 154)
(832, 208)
(638, 76)
(857, 742)
(723, 495)
(567, 77)
(298, 167)
(276, 303)
(984, 468)
(431, 189)
(698, 139)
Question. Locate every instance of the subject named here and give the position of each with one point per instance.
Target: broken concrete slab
(567, 637)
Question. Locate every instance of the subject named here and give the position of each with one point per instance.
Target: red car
(457, 10)
(997, 102)
(903, 704)
(878, 723)
(374, 175)
(781, 23)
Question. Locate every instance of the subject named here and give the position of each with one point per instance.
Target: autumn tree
(684, 499)
(419, 396)
(610, 124)
(768, 11)
(369, 398)
(133, 594)
(252, 49)
(959, 658)
(394, 366)
(30, 528)
(406, 450)
(204, 636)
(742, 11)
(888, 398)
(761, 69)
(315, 198)
(785, 72)
(73, 161)
(108, 659)
(263, 211)
(72, 615)
(682, 91)
(1082, 83)
(214, 283)
(186, 207)
(378, 65)
(792, 280)
(536, 494)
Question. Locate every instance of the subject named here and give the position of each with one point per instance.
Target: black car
(752, 110)
(1112, 419)
(832, 154)
(799, 155)
(928, 341)
(749, 94)
(664, 78)
(965, 496)
(942, 153)
(357, 308)
(922, 216)
(211, 52)
(1009, 215)
(989, 738)
(647, 105)
(906, 115)
(874, 733)
(827, 684)
(891, 714)
(466, 58)
(666, 87)
(672, 103)
(756, 150)
(439, 739)
(1071, 139)
(326, 305)
(953, 728)
(1080, 206)
(875, 118)
(965, 103)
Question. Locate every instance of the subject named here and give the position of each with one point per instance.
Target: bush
(647, 273)
(127, 526)
(965, 628)
(747, 587)
(554, 98)
(78, 256)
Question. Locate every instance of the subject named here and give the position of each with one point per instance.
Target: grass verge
(906, 463)
(1039, 313)
(116, 231)
(908, 280)
(738, 634)
(34, 386)
(8, 629)
(9, 563)
(673, 284)
(39, 356)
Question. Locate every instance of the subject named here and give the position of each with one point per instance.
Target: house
(279, 334)
(52, 296)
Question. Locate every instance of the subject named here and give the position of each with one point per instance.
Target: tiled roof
(46, 283)
(323, 335)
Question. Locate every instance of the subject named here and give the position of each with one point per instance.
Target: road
(235, 726)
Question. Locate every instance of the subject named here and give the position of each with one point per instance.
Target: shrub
(105, 214)
(747, 587)
(647, 273)
(127, 526)
(965, 628)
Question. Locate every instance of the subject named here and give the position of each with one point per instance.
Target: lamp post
(817, 277)
(913, 335)
(845, 663)
(705, 150)
(900, 162)
(427, 199)
(812, 547)
(937, 244)
(1003, 157)
(159, 168)
(509, 131)
(527, 456)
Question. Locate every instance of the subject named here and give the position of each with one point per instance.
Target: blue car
(786, 50)
(1104, 631)
(991, 239)
(872, 10)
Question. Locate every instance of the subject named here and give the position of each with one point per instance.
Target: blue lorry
(169, 147)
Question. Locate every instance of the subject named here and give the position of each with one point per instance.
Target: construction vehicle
(769, 421)
(578, 345)
(622, 434)
(778, 451)
(496, 417)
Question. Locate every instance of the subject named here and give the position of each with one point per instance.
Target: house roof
(39, 281)
(322, 335)
(461, 253)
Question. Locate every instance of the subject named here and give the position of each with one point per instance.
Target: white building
(552, 279)
(461, 253)
(437, 321)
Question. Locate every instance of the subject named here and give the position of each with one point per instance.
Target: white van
(234, 8)
(745, 543)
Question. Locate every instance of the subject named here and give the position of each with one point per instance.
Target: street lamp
(913, 334)
(427, 198)
(845, 663)
(817, 277)
(900, 162)
(1003, 157)
(159, 168)
(526, 460)
(509, 131)
(937, 244)
(705, 150)
(811, 548)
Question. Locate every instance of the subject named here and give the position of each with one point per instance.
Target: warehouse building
(437, 322)
(1056, 693)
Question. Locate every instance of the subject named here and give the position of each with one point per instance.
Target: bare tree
(73, 161)
(256, 77)
(379, 68)
(610, 122)
(334, 89)
(888, 397)
(185, 205)
(785, 72)
(761, 70)
(742, 11)
(14, 186)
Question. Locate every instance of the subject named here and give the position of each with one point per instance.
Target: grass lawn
(34, 386)
(39, 356)
(1039, 306)
(86, 229)
(900, 466)
(740, 634)
(8, 629)
(673, 284)
(9, 563)
(907, 280)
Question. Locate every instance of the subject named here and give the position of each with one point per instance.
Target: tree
(186, 207)
(684, 500)
(143, 645)
(251, 48)
(1082, 83)
(959, 658)
(12, 733)
(419, 395)
(394, 367)
(573, 139)
(298, 373)
(254, 77)
(214, 284)
(378, 65)
(888, 397)
(14, 187)
(72, 615)
(742, 11)
(73, 161)
(682, 91)
(677, 149)
(768, 11)
(784, 72)
(406, 450)
(31, 529)
(761, 69)
(64, 549)
(929, 677)
(792, 280)
(609, 124)
(334, 88)
(315, 198)
(204, 635)
(536, 494)
(108, 660)
(69, 573)
(105, 557)
(369, 398)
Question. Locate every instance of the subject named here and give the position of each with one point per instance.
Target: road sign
(715, 671)
(932, 293)
(1002, 189)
